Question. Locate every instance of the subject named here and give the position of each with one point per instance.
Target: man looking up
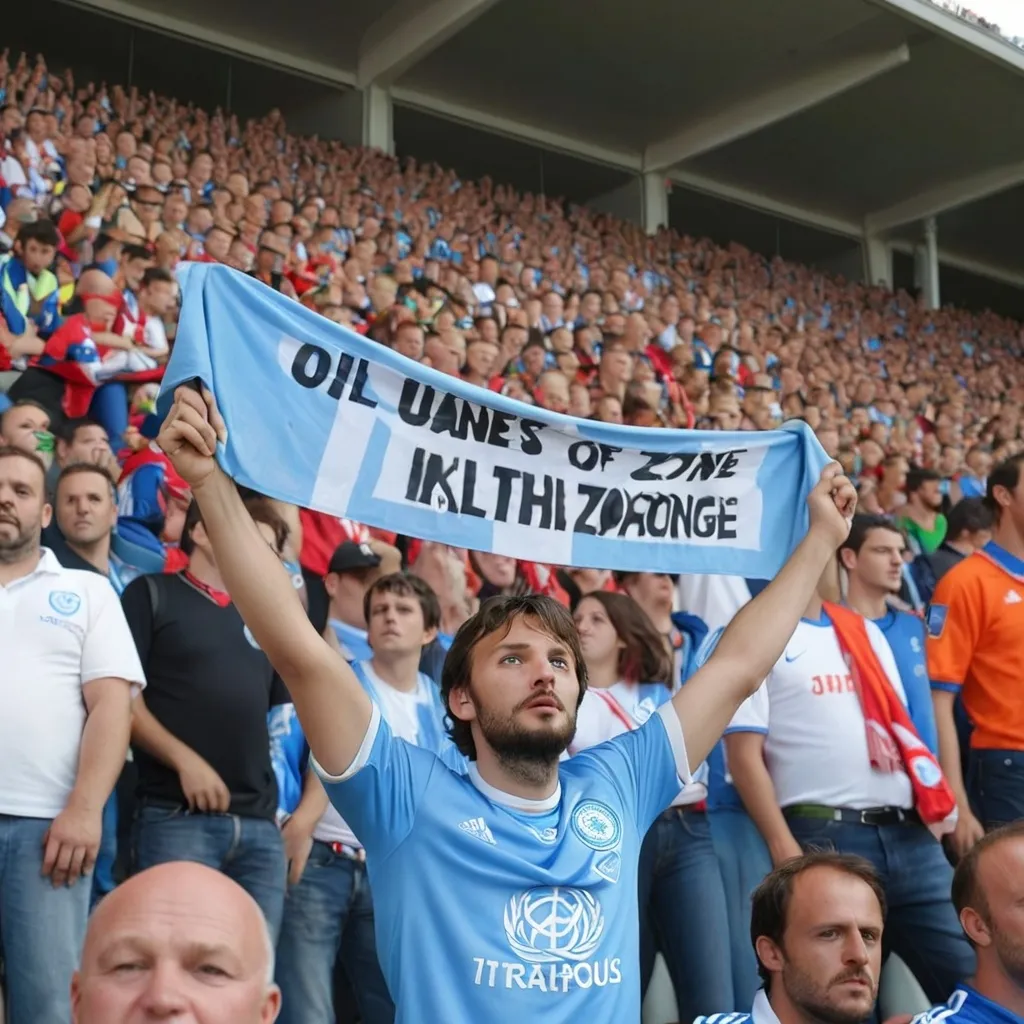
(512, 683)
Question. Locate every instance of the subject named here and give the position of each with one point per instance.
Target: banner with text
(324, 418)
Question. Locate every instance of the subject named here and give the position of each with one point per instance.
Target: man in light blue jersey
(816, 927)
(510, 890)
(872, 556)
(988, 893)
(329, 908)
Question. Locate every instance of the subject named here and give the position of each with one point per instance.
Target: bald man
(178, 942)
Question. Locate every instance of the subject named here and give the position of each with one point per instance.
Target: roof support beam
(555, 141)
(408, 32)
(771, 103)
(947, 196)
(213, 39)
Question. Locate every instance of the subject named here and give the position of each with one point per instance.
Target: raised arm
(333, 708)
(757, 636)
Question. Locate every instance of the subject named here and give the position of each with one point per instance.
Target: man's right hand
(190, 433)
(204, 789)
(967, 832)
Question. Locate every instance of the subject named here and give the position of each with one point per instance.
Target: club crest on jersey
(64, 602)
(550, 924)
(596, 825)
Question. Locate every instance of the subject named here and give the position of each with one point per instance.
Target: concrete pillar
(877, 261)
(655, 202)
(932, 295)
(366, 118)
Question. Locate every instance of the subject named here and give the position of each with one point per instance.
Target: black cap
(350, 556)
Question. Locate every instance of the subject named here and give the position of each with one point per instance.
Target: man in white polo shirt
(798, 751)
(69, 667)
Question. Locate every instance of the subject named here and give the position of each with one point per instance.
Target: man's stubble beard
(806, 994)
(21, 546)
(526, 754)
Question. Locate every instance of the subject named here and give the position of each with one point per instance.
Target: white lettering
(537, 978)
(578, 974)
(514, 972)
(561, 977)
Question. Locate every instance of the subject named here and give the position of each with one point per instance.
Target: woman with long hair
(682, 898)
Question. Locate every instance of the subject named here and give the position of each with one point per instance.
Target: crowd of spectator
(105, 191)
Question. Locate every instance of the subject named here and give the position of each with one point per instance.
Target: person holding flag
(825, 754)
(528, 924)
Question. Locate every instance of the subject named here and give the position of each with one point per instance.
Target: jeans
(743, 860)
(922, 927)
(329, 913)
(996, 786)
(41, 928)
(248, 850)
(683, 913)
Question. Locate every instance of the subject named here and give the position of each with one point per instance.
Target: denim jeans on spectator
(327, 915)
(248, 850)
(41, 928)
(996, 786)
(743, 860)
(103, 875)
(681, 896)
(922, 927)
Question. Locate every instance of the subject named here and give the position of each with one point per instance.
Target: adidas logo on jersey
(477, 828)
(1012, 597)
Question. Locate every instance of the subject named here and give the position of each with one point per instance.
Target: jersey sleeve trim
(948, 687)
(674, 730)
(760, 730)
(362, 754)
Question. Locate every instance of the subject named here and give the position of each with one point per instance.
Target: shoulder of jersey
(724, 1018)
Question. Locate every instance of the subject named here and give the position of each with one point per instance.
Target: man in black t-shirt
(206, 791)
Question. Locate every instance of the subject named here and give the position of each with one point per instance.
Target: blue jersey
(905, 634)
(354, 644)
(288, 756)
(532, 905)
(965, 1006)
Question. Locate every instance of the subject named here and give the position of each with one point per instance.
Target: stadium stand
(105, 192)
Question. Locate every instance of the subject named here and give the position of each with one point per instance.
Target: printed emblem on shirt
(597, 825)
(936, 619)
(65, 602)
(1012, 597)
(553, 932)
(247, 633)
(551, 923)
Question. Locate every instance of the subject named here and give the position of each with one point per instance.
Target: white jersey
(816, 745)
(607, 713)
(416, 717)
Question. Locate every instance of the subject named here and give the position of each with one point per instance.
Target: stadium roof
(841, 114)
